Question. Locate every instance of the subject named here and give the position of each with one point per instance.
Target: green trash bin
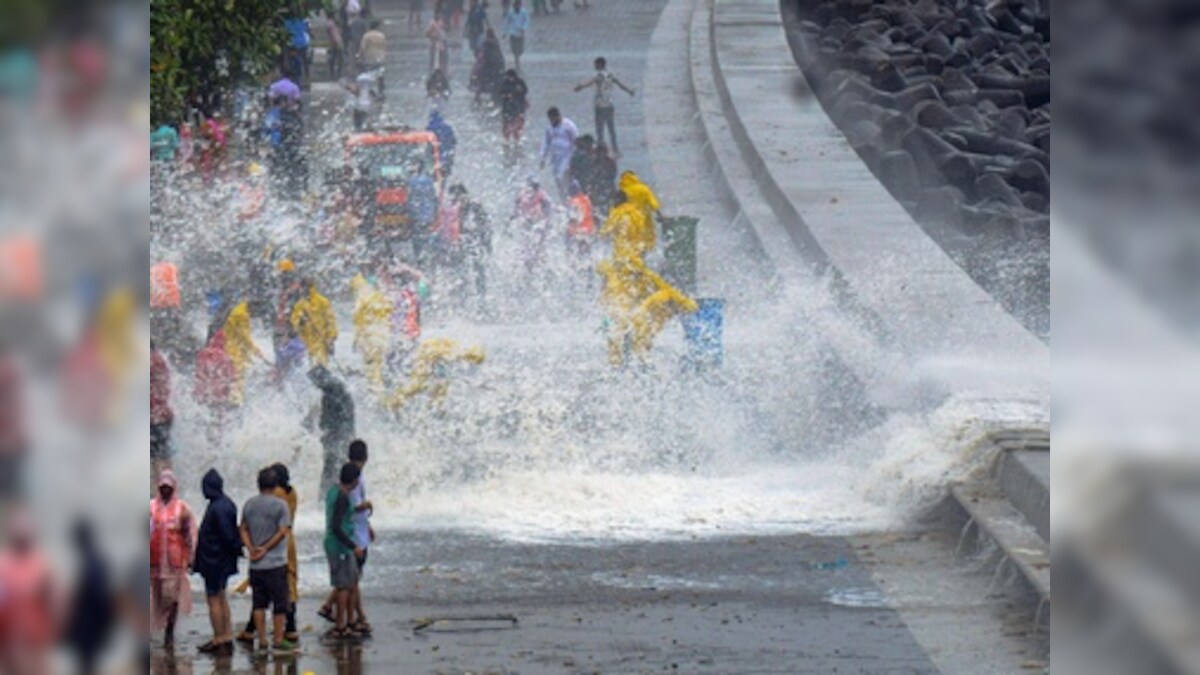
(679, 252)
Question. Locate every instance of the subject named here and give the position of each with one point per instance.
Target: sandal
(327, 614)
(339, 634)
(245, 638)
(361, 627)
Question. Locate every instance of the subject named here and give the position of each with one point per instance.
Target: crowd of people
(213, 545)
(590, 206)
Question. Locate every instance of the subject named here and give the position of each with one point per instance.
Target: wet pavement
(739, 604)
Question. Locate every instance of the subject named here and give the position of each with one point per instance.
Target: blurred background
(1126, 313)
(74, 138)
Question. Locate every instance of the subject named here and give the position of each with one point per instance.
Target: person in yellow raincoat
(640, 195)
(640, 303)
(631, 231)
(313, 319)
(372, 329)
(429, 374)
(240, 346)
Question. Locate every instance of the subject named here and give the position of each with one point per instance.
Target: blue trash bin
(704, 333)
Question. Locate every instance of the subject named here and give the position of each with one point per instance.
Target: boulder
(934, 115)
(898, 171)
(1030, 176)
(991, 187)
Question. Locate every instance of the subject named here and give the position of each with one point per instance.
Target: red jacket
(214, 372)
(160, 390)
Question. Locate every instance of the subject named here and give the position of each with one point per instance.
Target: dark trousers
(605, 118)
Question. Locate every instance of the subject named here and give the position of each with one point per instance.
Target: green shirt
(339, 520)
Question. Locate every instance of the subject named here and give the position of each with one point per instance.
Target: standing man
(336, 422)
(557, 146)
(364, 536)
(340, 550)
(218, 548)
(516, 24)
(266, 526)
(604, 82)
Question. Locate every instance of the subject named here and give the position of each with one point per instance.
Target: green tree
(202, 46)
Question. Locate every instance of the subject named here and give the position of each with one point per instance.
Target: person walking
(514, 101)
(266, 526)
(336, 422)
(341, 551)
(488, 73)
(439, 52)
(515, 27)
(218, 548)
(603, 82)
(372, 56)
(337, 47)
(558, 145)
(172, 547)
(415, 9)
(477, 24)
(161, 415)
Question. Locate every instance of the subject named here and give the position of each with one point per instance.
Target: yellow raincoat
(641, 196)
(631, 232)
(429, 370)
(239, 345)
(313, 319)
(640, 303)
(372, 328)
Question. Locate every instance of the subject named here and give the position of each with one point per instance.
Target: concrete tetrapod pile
(948, 102)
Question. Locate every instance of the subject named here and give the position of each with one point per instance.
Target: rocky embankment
(948, 102)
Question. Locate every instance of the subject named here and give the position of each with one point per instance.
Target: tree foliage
(202, 46)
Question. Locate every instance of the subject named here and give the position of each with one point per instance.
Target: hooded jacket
(214, 372)
(239, 343)
(447, 139)
(641, 196)
(632, 233)
(218, 545)
(316, 325)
